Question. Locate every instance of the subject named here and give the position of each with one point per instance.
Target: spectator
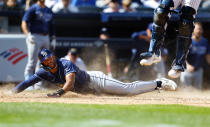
(64, 6)
(11, 5)
(2, 2)
(83, 2)
(73, 56)
(150, 3)
(113, 6)
(206, 4)
(104, 34)
(38, 26)
(51, 3)
(102, 3)
(146, 35)
(126, 6)
(29, 3)
(198, 53)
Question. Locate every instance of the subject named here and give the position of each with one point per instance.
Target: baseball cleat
(175, 71)
(150, 60)
(168, 84)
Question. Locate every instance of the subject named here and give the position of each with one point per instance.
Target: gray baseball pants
(102, 83)
(34, 43)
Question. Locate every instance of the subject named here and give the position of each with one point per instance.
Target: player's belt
(43, 34)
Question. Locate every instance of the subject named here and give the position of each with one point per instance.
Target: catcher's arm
(69, 85)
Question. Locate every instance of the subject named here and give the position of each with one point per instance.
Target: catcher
(64, 71)
(186, 25)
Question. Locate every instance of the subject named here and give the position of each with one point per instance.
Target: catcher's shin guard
(184, 40)
(156, 39)
(158, 33)
(158, 29)
(179, 64)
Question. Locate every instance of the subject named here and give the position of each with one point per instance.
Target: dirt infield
(185, 96)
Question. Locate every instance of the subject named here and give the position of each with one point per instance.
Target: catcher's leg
(186, 27)
(161, 15)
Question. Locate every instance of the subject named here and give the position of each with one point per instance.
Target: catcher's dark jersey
(64, 68)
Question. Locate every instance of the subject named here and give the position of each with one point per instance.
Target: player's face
(65, 3)
(198, 30)
(50, 62)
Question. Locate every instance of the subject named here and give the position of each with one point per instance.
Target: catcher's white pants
(34, 43)
(191, 3)
(103, 83)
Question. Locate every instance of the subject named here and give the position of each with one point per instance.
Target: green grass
(84, 115)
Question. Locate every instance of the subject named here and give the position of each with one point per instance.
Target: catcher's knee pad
(186, 25)
(161, 13)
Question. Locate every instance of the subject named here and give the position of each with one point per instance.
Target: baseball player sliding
(185, 29)
(64, 71)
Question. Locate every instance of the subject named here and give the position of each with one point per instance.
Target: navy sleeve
(25, 84)
(69, 68)
(28, 14)
(135, 35)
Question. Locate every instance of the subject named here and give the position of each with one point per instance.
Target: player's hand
(58, 93)
(53, 43)
(30, 38)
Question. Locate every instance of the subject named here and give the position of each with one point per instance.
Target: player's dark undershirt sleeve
(25, 84)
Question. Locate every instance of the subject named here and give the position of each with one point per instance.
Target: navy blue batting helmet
(44, 54)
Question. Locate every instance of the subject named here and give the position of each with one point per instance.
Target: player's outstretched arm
(25, 84)
(69, 85)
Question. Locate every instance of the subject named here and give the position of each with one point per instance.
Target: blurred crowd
(74, 6)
